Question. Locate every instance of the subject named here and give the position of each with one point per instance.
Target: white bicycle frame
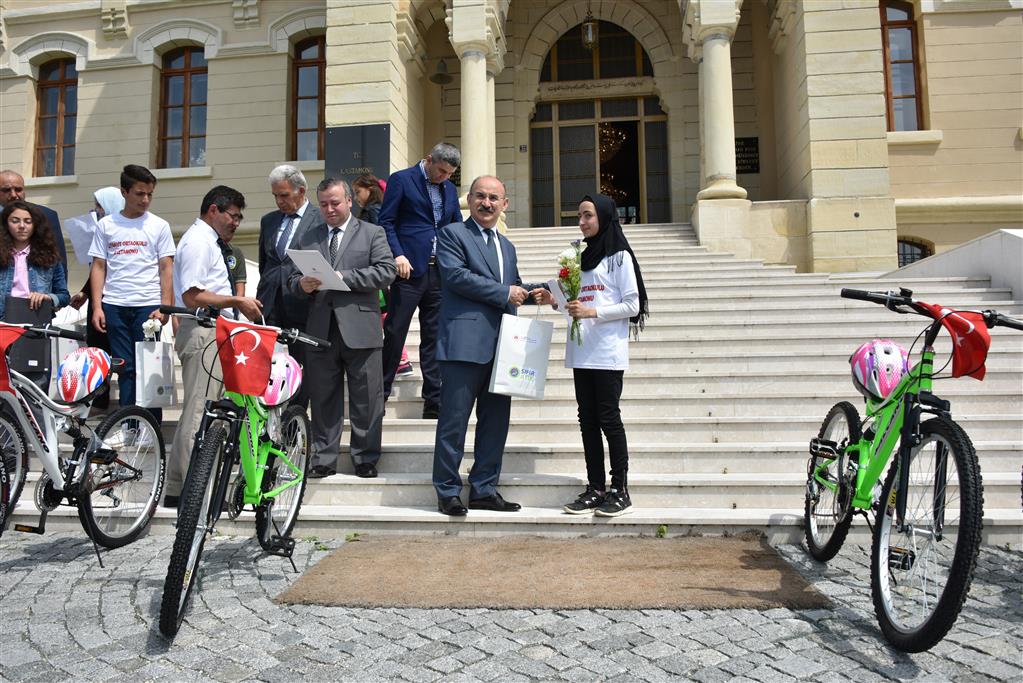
(55, 417)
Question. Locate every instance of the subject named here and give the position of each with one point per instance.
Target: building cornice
(991, 209)
(52, 12)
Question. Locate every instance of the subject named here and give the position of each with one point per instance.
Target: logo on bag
(526, 374)
(525, 339)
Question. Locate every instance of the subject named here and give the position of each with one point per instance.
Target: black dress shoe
(431, 411)
(366, 470)
(495, 503)
(321, 471)
(452, 506)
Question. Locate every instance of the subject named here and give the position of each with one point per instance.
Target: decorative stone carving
(784, 14)
(114, 14)
(245, 12)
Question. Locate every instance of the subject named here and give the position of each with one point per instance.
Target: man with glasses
(12, 187)
(202, 277)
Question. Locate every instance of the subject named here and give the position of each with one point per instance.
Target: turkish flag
(970, 339)
(8, 335)
(246, 351)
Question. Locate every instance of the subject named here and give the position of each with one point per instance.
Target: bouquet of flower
(570, 281)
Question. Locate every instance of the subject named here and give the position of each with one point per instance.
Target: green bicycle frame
(889, 416)
(254, 454)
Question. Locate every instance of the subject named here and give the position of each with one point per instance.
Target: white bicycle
(113, 474)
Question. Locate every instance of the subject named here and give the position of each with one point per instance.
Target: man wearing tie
(350, 320)
(277, 230)
(481, 282)
(417, 202)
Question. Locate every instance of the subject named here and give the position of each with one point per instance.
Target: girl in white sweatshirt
(611, 304)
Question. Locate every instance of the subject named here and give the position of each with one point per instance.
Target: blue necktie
(492, 250)
(282, 241)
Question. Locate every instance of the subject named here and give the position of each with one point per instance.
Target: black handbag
(29, 354)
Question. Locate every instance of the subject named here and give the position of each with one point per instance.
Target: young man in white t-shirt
(132, 273)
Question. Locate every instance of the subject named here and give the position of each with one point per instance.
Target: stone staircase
(737, 367)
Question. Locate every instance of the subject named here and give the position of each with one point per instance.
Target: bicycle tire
(826, 532)
(918, 587)
(278, 515)
(189, 541)
(5, 492)
(13, 451)
(115, 511)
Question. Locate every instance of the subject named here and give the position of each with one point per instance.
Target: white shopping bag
(520, 364)
(154, 374)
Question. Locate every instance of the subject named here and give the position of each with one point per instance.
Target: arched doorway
(598, 126)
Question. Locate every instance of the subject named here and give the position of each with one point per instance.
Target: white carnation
(567, 254)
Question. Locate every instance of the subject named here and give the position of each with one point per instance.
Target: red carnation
(563, 273)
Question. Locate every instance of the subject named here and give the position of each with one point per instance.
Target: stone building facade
(829, 134)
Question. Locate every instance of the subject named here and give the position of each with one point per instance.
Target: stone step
(565, 457)
(778, 525)
(766, 428)
(691, 490)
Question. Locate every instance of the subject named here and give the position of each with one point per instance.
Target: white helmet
(285, 379)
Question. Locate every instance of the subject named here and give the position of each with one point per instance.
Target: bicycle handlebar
(207, 317)
(61, 332)
(892, 300)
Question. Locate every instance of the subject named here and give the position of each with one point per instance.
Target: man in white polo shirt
(201, 278)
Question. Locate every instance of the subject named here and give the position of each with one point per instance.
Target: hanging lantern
(589, 31)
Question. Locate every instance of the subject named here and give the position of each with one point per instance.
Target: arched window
(912, 250)
(307, 98)
(901, 66)
(56, 118)
(183, 89)
(617, 54)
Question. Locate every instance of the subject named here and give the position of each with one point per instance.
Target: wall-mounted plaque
(747, 155)
(354, 150)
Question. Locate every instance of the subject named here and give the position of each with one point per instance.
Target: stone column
(717, 116)
(475, 128)
(491, 124)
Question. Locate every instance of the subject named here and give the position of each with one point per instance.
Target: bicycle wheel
(828, 510)
(194, 515)
(15, 457)
(920, 574)
(120, 491)
(277, 516)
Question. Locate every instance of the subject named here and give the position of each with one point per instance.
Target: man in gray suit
(277, 230)
(350, 320)
(479, 283)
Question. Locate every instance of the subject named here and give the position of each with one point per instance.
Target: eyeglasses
(236, 217)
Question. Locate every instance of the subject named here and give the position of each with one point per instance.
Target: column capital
(704, 19)
(478, 25)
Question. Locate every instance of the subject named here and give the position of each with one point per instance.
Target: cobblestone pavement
(62, 617)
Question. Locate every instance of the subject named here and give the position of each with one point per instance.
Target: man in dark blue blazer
(12, 187)
(481, 282)
(417, 203)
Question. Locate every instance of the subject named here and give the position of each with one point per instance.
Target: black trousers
(598, 392)
(405, 297)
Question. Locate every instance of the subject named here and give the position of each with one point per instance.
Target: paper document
(559, 296)
(312, 264)
(80, 230)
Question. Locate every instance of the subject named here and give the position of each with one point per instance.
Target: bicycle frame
(250, 422)
(896, 420)
(44, 438)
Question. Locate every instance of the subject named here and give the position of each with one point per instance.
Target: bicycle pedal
(103, 456)
(280, 545)
(38, 530)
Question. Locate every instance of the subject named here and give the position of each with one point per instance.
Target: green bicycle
(271, 442)
(929, 509)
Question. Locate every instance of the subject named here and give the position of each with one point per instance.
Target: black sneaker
(615, 503)
(588, 501)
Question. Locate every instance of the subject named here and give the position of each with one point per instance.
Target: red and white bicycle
(112, 474)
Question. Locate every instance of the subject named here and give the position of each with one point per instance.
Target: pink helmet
(81, 373)
(285, 379)
(877, 368)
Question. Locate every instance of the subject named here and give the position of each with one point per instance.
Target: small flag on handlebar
(246, 352)
(970, 339)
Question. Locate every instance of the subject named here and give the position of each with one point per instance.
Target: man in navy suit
(417, 203)
(12, 187)
(480, 282)
(278, 230)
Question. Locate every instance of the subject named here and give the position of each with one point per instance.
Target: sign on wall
(747, 155)
(354, 150)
